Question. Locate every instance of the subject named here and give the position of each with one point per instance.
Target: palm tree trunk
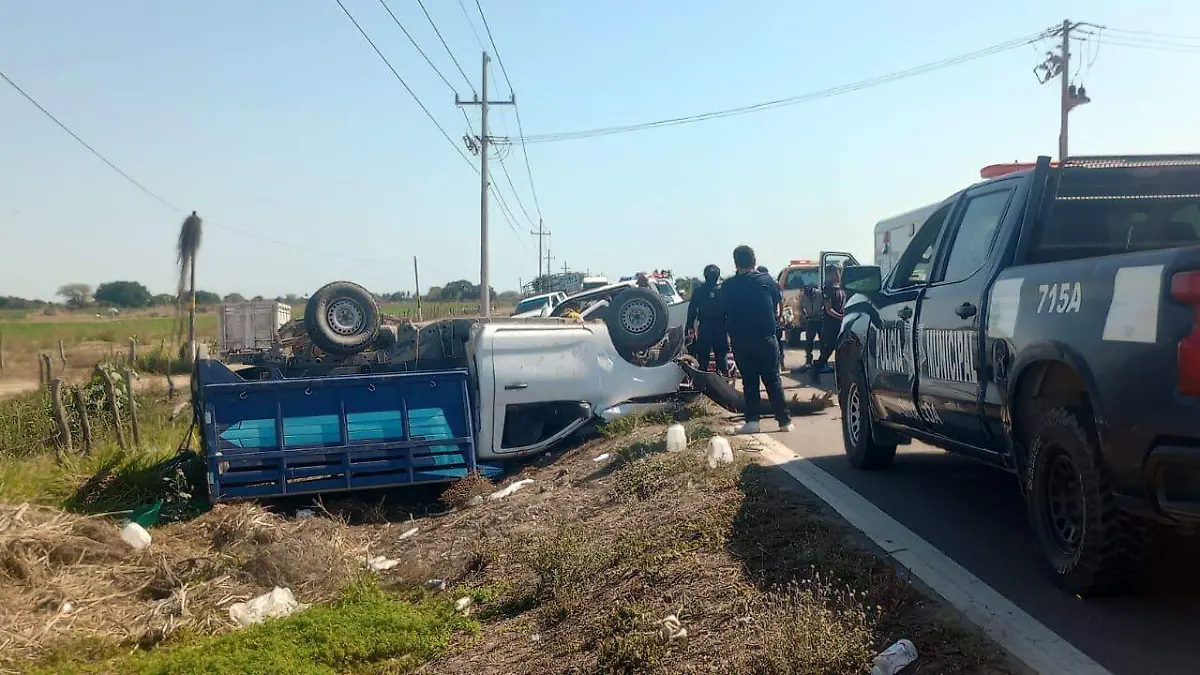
(192, 312)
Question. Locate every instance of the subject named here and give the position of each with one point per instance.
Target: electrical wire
(471, 23)
(1146, 33)
(1151, 44)
(446, 46)
(427, 59)
(516, 108)
(159, 198)
(513, 187)
(407, 88)
(794, 100)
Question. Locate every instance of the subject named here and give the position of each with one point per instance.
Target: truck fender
(1035, 369)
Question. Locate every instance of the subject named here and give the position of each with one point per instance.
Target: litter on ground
(136, 536)
(719, 452)
(504, 492)
(273, 605)
(381, 563)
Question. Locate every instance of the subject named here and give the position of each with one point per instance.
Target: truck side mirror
(862, 279)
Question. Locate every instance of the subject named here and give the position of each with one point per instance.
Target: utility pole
(1059, 65)
(417, 284)
(483, 103)
(541, 233)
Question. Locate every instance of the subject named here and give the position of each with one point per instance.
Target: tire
(636, 319)
(793, 338)
(1102, 551)
(857, 437)
(342, 318)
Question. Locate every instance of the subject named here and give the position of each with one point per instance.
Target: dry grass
(65, 577)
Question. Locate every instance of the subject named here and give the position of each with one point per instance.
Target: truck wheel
(636, 319)
(861, 448)
(342, 318)
(793, 338)
(1092, 547)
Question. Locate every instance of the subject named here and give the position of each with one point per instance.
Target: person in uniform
(752, 301)
(779, 330)
(833, 301)
(706, 321)
(812, 311)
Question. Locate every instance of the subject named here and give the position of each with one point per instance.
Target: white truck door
(545, 366)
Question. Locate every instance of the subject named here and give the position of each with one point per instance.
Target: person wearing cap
(752, 301)
(833, 300)
(706, 321)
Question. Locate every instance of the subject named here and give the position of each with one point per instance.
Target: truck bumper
(1172, 479)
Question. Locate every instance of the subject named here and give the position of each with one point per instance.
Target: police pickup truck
(1046, 322)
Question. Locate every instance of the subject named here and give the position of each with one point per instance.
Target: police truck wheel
(1090, 545)
(342, 318)
(636, 319)
(861, 448)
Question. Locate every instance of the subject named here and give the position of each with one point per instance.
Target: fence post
(85, 425)
(60, 418)
(46, 367)
(2, 363)
(110, 395)
(170, 380)
(132, 351)
(133, 418)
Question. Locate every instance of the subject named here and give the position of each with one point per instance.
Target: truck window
(917, 260)
(1098, 212)
(800, 278)
(976, 233)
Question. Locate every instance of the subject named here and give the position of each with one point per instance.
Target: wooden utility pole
(417, 285)
(485, 299)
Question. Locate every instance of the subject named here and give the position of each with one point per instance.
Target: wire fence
(90, 414)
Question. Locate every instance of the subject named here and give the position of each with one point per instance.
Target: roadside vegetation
(642, 562)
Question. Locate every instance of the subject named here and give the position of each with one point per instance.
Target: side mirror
(862, 279)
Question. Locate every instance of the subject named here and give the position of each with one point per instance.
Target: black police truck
(1047, 322)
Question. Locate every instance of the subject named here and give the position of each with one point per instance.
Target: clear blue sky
(273, 116)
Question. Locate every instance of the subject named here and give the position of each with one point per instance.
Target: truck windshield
(1098, 212)
(531, 304)
(801, 277)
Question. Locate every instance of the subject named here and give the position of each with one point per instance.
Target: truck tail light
(1185, 288)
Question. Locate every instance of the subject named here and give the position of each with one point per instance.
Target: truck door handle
(905, 313)
(966, 310)
(511, 387)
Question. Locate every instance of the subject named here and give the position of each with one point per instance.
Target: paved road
(974, 514)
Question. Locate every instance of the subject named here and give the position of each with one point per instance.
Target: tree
(460, 289)
(433, 293)
(123, 294)
(186, 250)
(509, 297)
(76, 295)
(161, 299)
(235, 297)
(207, 298)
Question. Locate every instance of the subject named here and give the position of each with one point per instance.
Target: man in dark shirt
(762, 269)
(706, 316)
(751, 306)
(833, 300)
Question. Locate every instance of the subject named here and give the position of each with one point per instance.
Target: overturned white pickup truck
(532, 382)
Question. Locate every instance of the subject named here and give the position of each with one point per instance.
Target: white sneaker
(784, 428)
(748, 428)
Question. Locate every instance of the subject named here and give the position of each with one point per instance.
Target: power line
(471, 23)
(1173, 36)
(154, 195)
(511, 185)
(795, 100)
(1109, 36)
(406, 87)
(446, 46)
(426, 56)
(516, 109)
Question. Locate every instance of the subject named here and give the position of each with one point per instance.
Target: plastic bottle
(136, 536)
(676, 438)
(719, 452)
(893, 659)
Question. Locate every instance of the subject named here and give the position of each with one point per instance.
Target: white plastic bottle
(676, 438)
(893, 659)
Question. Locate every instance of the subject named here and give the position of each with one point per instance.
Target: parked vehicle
(1046, 322)
(250, 326)
(800, 283)
(590, 283)
(538, 305)
(347, 399)
(893, 234)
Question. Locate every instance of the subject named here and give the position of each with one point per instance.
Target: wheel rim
(637, 317)
(345, 316)
(1064, 512)
(853, 415)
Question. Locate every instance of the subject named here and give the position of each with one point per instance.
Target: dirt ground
(577, 572)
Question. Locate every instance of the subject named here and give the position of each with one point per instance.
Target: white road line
(1030, 642)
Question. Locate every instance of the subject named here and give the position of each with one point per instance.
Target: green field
(33, 335)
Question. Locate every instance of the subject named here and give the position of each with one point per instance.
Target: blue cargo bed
(280, 436)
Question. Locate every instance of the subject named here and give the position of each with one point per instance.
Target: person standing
(706, 320)
(833, 300)
(752, 301)
(812, 312)
(762, 269)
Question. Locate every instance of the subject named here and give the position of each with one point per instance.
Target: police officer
(751, 301)
(762, 269)
(833, 301)
(706, 318)
(811, 316)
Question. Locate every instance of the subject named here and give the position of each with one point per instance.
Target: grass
(365, 632)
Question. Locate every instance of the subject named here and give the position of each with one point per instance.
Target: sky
(310, 163)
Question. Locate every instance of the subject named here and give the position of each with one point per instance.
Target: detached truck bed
(276, 437)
